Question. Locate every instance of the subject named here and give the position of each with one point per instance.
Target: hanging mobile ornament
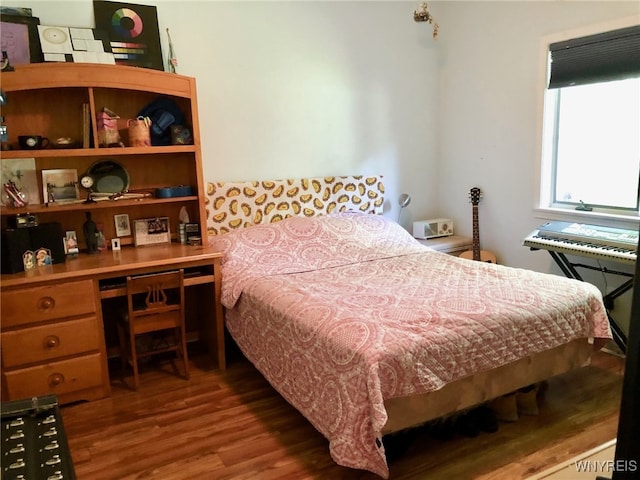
(173, 60)
(423, 15)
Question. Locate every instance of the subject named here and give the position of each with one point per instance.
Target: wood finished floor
(233, 425)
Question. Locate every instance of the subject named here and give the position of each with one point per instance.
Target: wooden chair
(155, 310)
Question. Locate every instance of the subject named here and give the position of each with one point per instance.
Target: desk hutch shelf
(47, 99)
(53, 317)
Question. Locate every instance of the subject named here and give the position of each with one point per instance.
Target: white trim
(597, 218)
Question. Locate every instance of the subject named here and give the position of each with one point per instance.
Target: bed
(366, 331)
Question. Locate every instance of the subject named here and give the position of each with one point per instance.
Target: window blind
(603, 57)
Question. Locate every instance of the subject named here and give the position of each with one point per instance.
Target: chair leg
(134, 359)
(183, 352)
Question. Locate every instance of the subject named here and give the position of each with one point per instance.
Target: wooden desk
(53, 317)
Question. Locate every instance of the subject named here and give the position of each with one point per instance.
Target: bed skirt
(405, 412)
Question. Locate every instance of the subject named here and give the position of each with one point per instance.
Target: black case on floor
(34, 443)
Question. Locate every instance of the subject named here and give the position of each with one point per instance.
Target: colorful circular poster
(127, 23)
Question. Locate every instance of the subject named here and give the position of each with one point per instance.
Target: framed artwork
(71, 243)
(43, 257)
(60, 185)
(123, 227)
(20, 39)
(39, 258)
(133, 32)
(151, 231)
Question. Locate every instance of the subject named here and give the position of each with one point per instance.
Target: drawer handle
(46, 303)
(56, 379)
(51, 342)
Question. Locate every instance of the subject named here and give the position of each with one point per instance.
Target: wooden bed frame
(233, 205)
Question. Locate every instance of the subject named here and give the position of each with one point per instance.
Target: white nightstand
(453, 244)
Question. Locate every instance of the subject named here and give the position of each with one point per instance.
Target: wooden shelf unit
(56, 318)
(47, 98)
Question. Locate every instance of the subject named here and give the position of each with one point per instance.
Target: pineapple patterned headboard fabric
(232, 205)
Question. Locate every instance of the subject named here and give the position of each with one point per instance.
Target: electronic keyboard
(615, 244)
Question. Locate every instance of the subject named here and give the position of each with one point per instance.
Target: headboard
(232, 205)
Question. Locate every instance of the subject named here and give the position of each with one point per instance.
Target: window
(591, 139)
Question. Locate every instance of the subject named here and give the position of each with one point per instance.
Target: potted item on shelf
(108, 134)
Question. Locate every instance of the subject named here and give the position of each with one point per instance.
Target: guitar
(476, 254)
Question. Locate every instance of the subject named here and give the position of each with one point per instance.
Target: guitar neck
(476, 234)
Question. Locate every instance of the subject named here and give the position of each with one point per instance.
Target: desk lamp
(403, 201)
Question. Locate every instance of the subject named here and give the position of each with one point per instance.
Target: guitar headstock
(475, 195)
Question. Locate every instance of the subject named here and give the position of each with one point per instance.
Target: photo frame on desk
(151, 231)
(60, 185)
(123, 227)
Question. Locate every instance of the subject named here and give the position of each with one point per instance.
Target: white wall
(303, 88)
(489, 111)
(292, 89)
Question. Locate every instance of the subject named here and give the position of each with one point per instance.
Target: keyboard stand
(569, 269)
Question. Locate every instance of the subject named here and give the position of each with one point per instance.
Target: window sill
(629, 222)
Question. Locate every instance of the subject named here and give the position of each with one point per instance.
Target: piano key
(593, 234)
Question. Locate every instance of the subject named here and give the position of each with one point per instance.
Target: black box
(16, 241)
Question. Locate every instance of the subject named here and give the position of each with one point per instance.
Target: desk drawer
(48, 342)
(59, 378)
(49, 302)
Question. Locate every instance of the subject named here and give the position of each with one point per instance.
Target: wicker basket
(139, 135)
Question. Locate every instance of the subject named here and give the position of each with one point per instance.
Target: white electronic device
(438, 227)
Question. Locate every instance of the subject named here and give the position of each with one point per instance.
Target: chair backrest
(155, 301)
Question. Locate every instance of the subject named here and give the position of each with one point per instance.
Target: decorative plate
(109, 177)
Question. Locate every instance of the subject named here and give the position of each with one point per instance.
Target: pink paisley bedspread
(341, 312)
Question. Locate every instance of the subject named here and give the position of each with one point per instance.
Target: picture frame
(151, 231)
(123, 226)
(21, 44)
(43, 257)
(133, 29)
(71, 243)
(60, 185)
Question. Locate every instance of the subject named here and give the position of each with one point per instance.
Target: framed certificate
(123, 227)
(151, 231)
